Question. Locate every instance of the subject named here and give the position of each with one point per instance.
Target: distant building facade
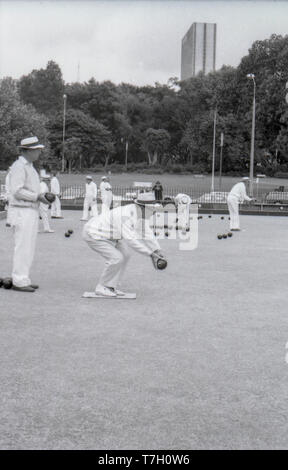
(198, 53)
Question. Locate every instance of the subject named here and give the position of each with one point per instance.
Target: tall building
(198, 53)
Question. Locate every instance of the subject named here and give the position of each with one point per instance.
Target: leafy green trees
(17, 121)
(43, 89)
(93, 141)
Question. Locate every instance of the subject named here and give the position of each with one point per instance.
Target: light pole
(221, 159)
(63, 140)
(251, 76)
(214, 147)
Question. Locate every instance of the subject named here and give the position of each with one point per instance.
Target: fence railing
(198, 194)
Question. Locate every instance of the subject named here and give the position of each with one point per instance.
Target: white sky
(131, 41)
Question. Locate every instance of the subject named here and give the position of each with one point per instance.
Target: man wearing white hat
(106, 193)
(90, 199)
(111, 233)
(25, 195)
(44, 208)
(237, 196)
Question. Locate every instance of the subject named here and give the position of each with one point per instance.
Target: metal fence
(198, 193)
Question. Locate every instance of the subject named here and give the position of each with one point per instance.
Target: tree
(94, 139)
(43, 89)
(18, 121)
(155, 143)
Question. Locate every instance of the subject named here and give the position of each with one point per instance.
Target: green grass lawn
(197, 361)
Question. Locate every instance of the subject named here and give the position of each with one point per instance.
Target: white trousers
(107, 200)
(233, 207)
(116, 254)
(44, 214)
(183, 216)
(89, 204)
(25, 224)
(56, 207)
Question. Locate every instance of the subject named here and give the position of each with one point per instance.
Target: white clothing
(56, 205)
(111, 232)
(233, 207)
(239, 192)
(7, 196)
(236, 196)
(91, 190)
(24, 184)
(106, 194)
(56, 208)
(90, 201)
(25, 223)
(55, 186)
(183, 202)
(44, 208)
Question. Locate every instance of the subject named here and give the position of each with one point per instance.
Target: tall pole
(214, 146)
(63, 139)
(221, 158)
(251, 76)
(126, 154)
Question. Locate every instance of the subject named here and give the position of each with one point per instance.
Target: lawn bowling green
(196, 361)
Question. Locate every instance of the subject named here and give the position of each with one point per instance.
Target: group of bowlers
(110, 233)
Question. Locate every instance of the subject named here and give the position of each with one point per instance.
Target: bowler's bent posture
(111, 233)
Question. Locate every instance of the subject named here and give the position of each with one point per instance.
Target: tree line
(161, 127)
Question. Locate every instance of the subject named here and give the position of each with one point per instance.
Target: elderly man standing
(106, 193)
(90, 199)
(25, 196)
(237, 196)
(56, 205)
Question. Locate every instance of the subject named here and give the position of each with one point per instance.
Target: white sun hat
(31, 143)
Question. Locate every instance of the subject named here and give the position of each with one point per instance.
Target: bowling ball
(1, 282)
(166, 234)
(7, 283)
(209, 216)
(219, 236)
(222, 217)
(161, 263)
(224, 235)
(230, 234)
(67, 235)
(70, 231)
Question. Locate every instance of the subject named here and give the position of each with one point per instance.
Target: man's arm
(141, 245)
(17, 182)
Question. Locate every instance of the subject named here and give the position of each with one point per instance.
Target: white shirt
(55, 186)
(24, 184)
(124, 222)
(91, 190)
(44, 187)
(105, 189)
(239, 192)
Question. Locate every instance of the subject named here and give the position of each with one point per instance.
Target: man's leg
(233, 207)
(43, 209)
(123, 248)
(114, 260)
(25, 234)
(94, 209)
(85, 209)
(53, 208)
(58, 207)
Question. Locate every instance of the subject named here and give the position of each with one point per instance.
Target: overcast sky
(132, 41)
